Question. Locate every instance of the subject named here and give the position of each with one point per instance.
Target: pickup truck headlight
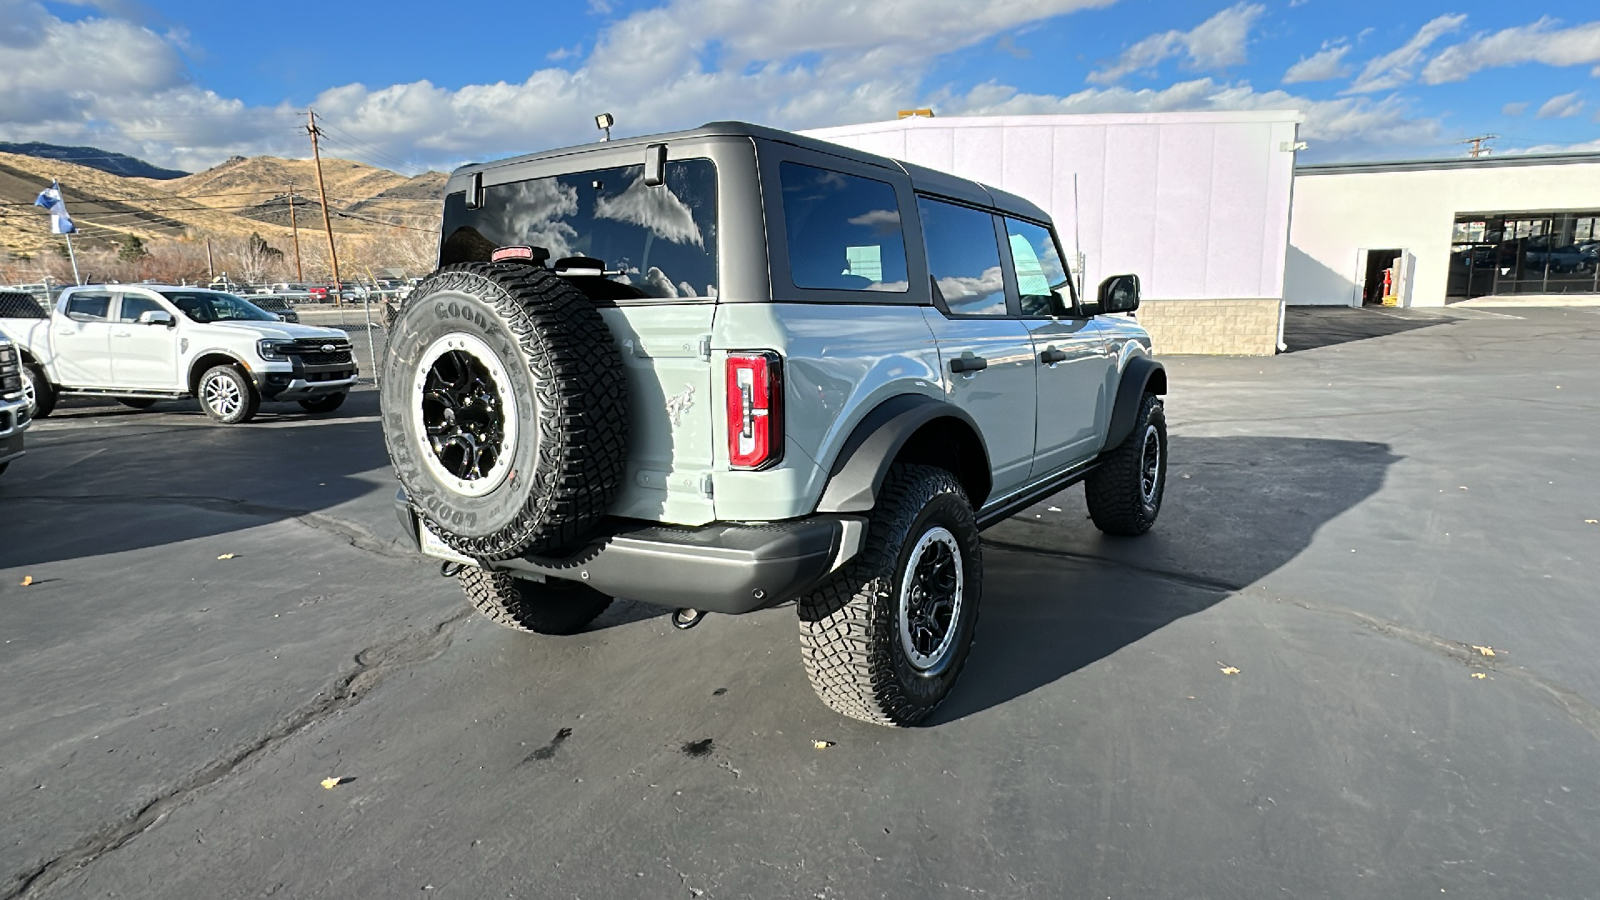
(273, 349)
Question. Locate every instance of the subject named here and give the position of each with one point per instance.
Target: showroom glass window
(963, 258)
(843, 231)
(1525, 253)
(652, 242)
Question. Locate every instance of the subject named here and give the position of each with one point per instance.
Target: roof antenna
(1077, 228)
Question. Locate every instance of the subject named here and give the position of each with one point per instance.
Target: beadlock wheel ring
(931, 593)
(464, 414)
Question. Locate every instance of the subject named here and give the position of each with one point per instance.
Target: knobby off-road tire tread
(1112, 490)
(530, 606)
(578, 371)
(848, 626)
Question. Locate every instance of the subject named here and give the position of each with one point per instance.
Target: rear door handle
(122, 334)
(963, 364)
(1052, 356)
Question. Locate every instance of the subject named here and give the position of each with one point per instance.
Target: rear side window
(963, 258)
(651, 242)
(1041, 278)
(843, 231)
(89, 307)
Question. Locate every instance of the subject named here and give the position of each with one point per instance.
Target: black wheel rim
(930, 600)
(1150, 466)
(462, 415)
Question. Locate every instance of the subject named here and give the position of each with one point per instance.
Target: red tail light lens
(755, 409)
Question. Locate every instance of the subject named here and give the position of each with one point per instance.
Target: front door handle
(964, 364)
(1052, 356)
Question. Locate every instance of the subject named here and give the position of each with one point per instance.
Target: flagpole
(76, 279)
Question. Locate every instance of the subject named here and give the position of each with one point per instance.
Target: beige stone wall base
(1246, 327)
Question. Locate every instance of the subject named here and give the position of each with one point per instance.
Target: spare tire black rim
(466, 416)
(930, 600)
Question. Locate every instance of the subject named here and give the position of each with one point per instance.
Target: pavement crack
(357, 536)
(1577, 707)
(372, 666)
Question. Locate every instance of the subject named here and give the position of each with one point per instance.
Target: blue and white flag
(50, 198)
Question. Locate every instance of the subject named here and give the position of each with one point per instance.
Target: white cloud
(1564, 106)
(1216, 43)
(1322, 66)
(1398, 67)
(1541, 42)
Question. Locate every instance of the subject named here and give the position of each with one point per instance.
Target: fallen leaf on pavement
(1591, 521)
(1483, 651)
(822, 745)
(1229, 670)
(27, 580)
(226, 556)
(331, 783)
(1479, 675)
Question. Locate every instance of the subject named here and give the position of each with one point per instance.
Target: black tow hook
(450, 569)
(686, 618)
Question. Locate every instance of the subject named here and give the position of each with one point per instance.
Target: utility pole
(211, 272)
(295, 229)
(322, 191)
(1478, 148)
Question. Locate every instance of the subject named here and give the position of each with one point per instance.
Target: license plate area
(433, 546)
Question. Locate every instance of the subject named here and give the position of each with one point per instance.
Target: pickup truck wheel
(1125, 492)
(553, 607)
(886, 639)
(505, 409)
(136, 402)
(37, 391)
(324, 404)
(227, 396)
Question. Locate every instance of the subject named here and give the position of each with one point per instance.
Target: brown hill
(234, 199)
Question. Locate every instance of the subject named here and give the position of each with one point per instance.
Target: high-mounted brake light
(755, 409)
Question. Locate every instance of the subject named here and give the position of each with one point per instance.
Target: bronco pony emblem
(677, 406)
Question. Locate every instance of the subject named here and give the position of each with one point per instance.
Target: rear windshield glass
(215, 306)
(651, 242)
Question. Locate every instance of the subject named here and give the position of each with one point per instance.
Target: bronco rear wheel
(504, 409)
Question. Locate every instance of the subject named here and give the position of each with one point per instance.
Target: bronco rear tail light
(755, 409)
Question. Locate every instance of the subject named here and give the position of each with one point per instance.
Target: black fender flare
(1137, 378)
(858, 471)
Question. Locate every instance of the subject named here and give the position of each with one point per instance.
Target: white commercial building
(1434, 232)
(1196, 204)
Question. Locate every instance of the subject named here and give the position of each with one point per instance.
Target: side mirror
(1119, 294)
(157, 317)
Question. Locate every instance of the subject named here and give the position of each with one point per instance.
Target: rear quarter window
(843, 231)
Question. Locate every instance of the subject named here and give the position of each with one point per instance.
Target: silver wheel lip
(221, 395)
(1148, 487)
(479, 349)
(927, 664)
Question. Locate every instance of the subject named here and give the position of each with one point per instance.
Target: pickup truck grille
(312, 354)
(10, 371)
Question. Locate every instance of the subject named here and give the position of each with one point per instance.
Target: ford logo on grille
(327, 348)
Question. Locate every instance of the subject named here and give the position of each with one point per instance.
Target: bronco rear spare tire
(504, 409)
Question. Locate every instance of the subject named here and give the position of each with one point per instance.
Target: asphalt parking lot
(1353, 526)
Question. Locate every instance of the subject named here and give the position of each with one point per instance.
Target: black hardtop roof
(922, 177)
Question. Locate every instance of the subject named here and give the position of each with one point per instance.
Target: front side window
(89, 306)
(650, 242)
(963, 258)
(843, 231)
(215, 306)
(133, 307)
(1041, 278)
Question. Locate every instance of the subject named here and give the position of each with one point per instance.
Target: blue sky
(404, 85)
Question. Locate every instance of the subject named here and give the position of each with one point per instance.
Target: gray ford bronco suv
(730, 368)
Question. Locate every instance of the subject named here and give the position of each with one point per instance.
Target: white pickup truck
(140, 343)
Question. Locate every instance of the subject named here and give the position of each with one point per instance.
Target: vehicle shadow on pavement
(86, 491)
(1059, 595)
(1313, 327)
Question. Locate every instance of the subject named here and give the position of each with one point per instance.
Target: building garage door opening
(1524, 253)
(1381, 277)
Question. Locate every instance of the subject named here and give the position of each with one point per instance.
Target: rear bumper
(722, 567)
